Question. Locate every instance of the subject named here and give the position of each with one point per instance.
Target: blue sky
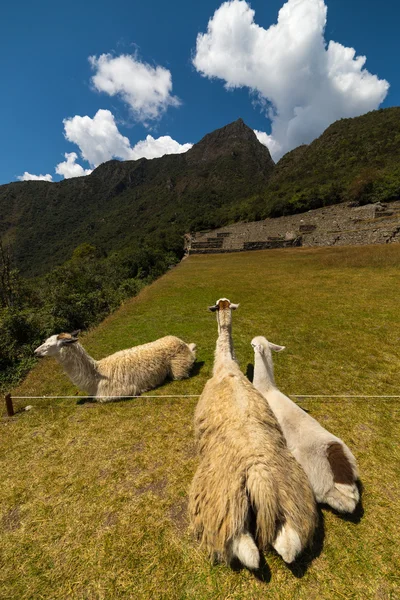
(149, 77)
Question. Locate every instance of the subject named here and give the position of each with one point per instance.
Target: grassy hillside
(93, 497)
(354, 159)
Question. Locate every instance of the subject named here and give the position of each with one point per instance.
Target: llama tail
(245, 549)
(299, 516)
(287, 543)
(264, 501)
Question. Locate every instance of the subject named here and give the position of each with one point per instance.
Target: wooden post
(9, 405)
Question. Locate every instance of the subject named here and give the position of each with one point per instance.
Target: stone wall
(339, 225)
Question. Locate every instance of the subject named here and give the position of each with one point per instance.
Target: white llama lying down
(126, 373)
(328, 462)
(245, 469)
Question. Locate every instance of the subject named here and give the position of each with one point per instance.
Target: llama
(327, 461)
(248, 490)
(126, 373)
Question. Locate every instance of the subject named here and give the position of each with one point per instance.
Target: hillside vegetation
(226, 177)
(123, 205)
(354, 160)
(74, 250)
(93, 496)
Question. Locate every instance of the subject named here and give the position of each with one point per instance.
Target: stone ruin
(338, 225)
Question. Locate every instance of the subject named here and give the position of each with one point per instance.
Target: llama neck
(263, 372)
(80, 367)
(224, 351)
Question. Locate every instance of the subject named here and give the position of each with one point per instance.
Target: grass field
(93, 496)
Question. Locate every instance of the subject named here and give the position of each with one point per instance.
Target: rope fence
(326, 397)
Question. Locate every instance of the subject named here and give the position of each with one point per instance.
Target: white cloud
(29, 177)
(154, 148)
(273, 146)
(146, 89)
(302, 83)
(70, 168)
(99, 140)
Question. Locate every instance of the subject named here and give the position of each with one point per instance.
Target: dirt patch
(139, 447)
(104, 473)
(190, 450)
(12, 519)
(156, 487)
(110, 519)
(178, 515)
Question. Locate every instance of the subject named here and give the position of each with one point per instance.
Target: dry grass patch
(93, 497)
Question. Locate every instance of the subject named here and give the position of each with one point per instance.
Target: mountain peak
(231, 139)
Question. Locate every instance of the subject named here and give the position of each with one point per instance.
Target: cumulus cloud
(29, 177)
(70, 168)
(303, 83)
(146, 89)
(100, 140)
(156, 147)
(270, 142)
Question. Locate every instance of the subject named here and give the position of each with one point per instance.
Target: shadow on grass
(197, 367)
(300, 566)
(88, 401)
(263, 573)
(354, 517)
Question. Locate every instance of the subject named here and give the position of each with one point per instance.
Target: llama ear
(275, 347)
(68, 341)
(234, 306)
(75, 333)
(213, 308)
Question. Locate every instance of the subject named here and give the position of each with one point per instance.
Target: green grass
(93, 497)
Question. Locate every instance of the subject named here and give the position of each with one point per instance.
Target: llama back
(240, 442)
(138, 369)
(219, 504)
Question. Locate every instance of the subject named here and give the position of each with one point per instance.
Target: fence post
(9, 405)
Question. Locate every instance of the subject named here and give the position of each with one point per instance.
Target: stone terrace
(338, 225)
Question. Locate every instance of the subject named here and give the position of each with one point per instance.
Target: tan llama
(248, 491)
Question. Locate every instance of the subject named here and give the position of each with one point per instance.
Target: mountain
(121, 203)
(226, 177)
(354, 159)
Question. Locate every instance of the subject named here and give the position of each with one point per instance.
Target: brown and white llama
(248, 491)
(328, 462)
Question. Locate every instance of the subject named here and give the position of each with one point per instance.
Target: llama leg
(245, 549)
(342, 497)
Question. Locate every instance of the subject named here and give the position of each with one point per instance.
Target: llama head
(223, 307)
(223, 304)
(264, 347)
(55, 343)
